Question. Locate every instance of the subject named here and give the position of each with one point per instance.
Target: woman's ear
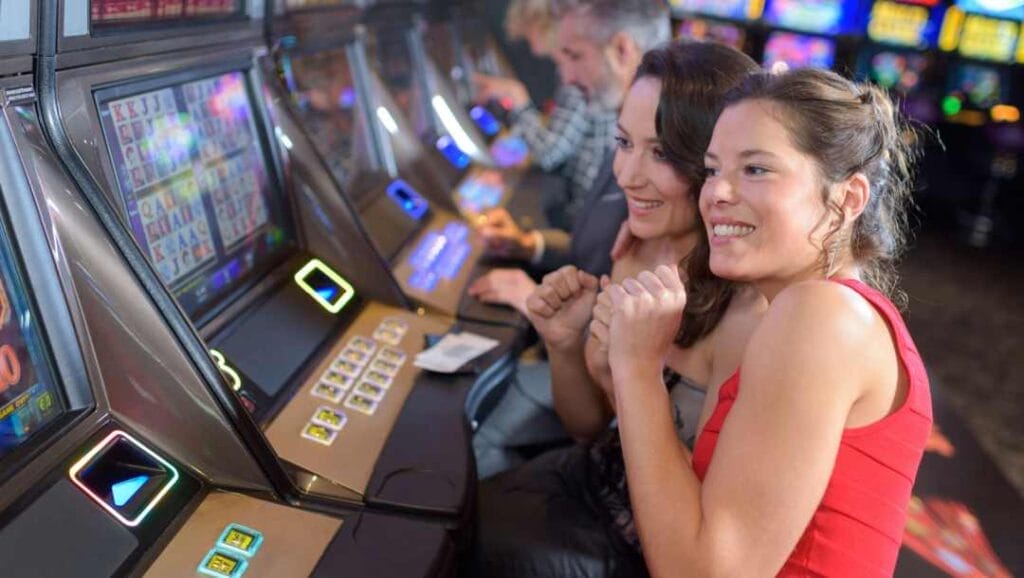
(855, 193)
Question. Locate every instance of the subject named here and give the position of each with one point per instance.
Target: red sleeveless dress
(857, 529)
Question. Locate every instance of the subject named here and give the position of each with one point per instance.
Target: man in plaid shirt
(601, 44)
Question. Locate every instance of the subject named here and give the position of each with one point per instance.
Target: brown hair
(522, 15)
(849, 128)
(695, 78)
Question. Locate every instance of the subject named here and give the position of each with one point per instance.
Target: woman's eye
(621, 142)
(755, 171)
(659, 155)
(710, 172)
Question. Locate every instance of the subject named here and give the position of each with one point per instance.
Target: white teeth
(645, 205)
(733, 230)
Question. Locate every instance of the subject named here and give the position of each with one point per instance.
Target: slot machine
(202, 176)
(406, 196)
(899, 54)
(814, 33)
(116, 458)
(480, 176)
(981, 108)
(402, 200)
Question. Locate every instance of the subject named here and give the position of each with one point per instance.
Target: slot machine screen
(900, 24)
(29, 396)
(119, 12)
(982, 87)
(324, 94)
(799, 51)
(733, 9)
(708, 31)
(192, 172)
(818, 16)
(987, 38)
(897, 71)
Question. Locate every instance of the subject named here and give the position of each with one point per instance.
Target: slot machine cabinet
(224, 204)
(115, 456)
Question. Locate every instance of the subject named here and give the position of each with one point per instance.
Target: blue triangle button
(327, 293)
(124, 491)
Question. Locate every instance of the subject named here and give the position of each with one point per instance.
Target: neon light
(1005, 113)
(387, 120)
(81, 463)
(314, 266)
(453, 127)
(124, 491)
(234, 380)
(951, 105)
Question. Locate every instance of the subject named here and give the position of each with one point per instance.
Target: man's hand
(503, 236)
(504, 287)
(560, 307)
(508, 91)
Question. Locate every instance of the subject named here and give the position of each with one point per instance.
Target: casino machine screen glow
(28, 397)
(194, 185)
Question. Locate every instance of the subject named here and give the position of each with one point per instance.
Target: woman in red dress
(808, 451)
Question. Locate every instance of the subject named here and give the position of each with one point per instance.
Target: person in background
(601, 43)
(567, 512)
(808, 451)
(555, 140)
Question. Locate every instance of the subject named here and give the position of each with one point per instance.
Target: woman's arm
(560, 310)
(775, 454)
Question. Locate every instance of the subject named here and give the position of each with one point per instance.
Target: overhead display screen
(193, 179)
(902, 24)
(29, 399)
(799, 51)
(144, 11)
(323, 90)
(818, 16)
(982, 87)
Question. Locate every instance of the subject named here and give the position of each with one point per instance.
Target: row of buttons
(230, 557)
(439, 255)
(356, 364)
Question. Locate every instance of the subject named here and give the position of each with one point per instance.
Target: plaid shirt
(575, 139)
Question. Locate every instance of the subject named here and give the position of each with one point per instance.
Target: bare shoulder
(817, 332)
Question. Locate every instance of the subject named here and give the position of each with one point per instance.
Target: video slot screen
(898, 71)
(195, 186)
(324, 92)
(817, 16)
(799, 51)
(110, 12)
(29, 397)
(988, 39)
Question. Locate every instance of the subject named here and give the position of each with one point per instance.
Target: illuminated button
(320, 434)
(355, 356)
(370, 390)
(389, 336)
(361, 403)
(385, 366)
(364, 344)
(346, 367)
(392, 355)
(337, 378)
(240, 539)
(456, 231)
(329, 417)
(379, 378)
(395, 324)
(331, 393)
(222, 564)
